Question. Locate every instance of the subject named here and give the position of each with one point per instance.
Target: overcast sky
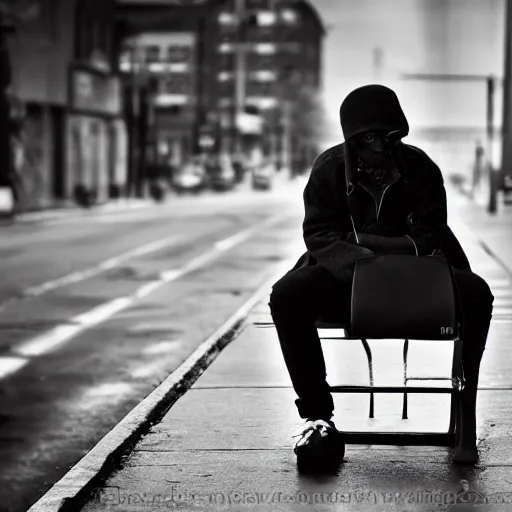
(379, 41)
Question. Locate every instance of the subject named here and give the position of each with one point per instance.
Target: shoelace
(311, 426)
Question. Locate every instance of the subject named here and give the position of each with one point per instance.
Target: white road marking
(63, 333)
(102, 394)
(10, 364)
(161, 347)
(110, 263)
(149, 369)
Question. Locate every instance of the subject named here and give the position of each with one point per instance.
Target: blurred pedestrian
(397, 199)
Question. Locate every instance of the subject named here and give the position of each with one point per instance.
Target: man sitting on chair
(397, 199)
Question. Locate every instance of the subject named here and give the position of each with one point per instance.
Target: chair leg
(457, 383)
(405, 352)
(370, 370)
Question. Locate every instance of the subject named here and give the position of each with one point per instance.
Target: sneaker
(320, 445)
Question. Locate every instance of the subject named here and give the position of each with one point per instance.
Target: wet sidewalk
(495, 231)
(227, 443)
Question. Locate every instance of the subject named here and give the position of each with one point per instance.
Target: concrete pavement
(226, 444)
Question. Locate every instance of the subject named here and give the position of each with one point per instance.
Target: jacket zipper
(378, 206)
(374, 200)
(382, 199)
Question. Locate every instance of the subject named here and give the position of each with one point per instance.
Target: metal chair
(448, 438)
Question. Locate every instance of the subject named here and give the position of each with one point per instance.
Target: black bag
(401, 296)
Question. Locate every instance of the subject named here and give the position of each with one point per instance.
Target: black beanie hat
(372, 107)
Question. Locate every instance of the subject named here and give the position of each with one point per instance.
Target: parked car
(189, 178)
(263, 176)
(221, 175)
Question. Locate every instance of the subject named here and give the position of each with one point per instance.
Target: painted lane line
(82, 275)
(63, 333)
(48, 340)
(218, 248)
(10, 364)
(108, 264)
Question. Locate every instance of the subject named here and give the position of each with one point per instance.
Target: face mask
(375, 147)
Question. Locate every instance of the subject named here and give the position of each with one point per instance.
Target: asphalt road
(96, 310)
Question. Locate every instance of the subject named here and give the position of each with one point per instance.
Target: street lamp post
(492, 206)
(506, 151)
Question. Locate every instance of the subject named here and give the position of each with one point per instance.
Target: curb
(78, 485)
(76, 212)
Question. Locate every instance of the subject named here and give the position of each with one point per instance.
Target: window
(226, 48)
(265, 18)
(257, 4)
(179, 53)
(226, 89)
(226, 61)
(225, 76)
(152, 53)
(289, 16)
(176, 84)
(227, 18)
(225, 102)
(265, 48)
(291, 47)
(125, 59)
(257, 62)
(262, 103)
(260, 89)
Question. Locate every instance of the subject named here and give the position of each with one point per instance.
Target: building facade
(249, 83)
(264, 60)
(95, 131)
(160, 57)
(64, 101)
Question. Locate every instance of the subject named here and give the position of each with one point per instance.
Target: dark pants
(305, 295)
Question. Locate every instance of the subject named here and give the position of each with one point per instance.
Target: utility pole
(492, 207)
(506, 155)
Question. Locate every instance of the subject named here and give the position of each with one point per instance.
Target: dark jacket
(411, 219)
